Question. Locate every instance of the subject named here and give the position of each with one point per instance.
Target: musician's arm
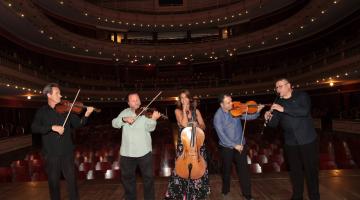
(181, 117)
(200, 120)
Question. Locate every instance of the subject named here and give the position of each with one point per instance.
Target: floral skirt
(178, 187)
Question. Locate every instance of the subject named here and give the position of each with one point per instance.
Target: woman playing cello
(180, 187)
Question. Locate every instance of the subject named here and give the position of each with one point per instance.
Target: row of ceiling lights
(245, 12)
(331, 81)
(185, 59)
(210, 21)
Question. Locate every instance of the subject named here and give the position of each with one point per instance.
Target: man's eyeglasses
(280, 86)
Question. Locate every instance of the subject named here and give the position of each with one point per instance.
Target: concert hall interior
(104, 50)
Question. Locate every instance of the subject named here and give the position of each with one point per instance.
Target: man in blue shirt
(232, 145)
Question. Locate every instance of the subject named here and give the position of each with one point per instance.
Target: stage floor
(334, 185)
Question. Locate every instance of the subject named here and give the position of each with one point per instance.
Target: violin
(65, 105)
(147, 112)
(250, 107)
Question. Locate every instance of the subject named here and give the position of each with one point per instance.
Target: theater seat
(278, 158)
(20, 173)
(102, 166)
(327, 165)
(255, 168)
(5, 174)
(270, 167)
(39, 176)
(261, 159)
(112, 174)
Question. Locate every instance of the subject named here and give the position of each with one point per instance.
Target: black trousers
(54, 166)
(304, 163)
(128, 176)
(228, 155)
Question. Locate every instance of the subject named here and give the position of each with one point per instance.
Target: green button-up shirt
(136, 138)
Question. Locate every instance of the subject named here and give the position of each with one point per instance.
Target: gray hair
(48, 88)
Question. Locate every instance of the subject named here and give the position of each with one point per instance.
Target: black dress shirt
(53, 143)
(296, 120)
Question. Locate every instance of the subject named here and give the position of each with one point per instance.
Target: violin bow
(147, 106)
(243, 132)
(72, 105)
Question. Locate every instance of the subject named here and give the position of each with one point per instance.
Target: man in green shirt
(136, 148)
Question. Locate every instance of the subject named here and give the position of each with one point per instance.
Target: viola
(147, 112)
(250, 107)
(64, 106)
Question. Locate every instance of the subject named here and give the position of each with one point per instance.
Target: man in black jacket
(57, 143)
(292, 112)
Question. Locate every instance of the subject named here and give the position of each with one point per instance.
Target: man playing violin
(56, 140)
(136, 147)
(292, 112)
(233, 145)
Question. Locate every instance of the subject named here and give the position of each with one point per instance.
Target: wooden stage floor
(334, 185)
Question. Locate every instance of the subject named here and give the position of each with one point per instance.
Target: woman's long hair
(193, 100)
(187, 94)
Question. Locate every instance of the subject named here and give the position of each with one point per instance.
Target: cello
(191, 164)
